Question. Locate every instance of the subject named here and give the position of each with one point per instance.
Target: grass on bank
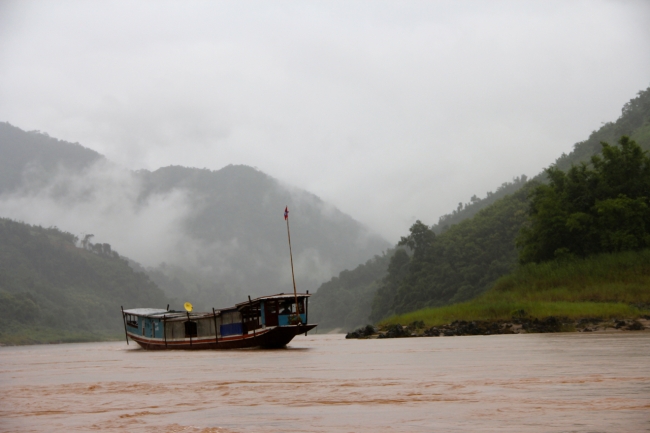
(606, 286)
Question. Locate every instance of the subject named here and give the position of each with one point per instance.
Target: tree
(591, 209)
(420, 241)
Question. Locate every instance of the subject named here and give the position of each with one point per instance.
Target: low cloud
(387, 110)
(103, 200)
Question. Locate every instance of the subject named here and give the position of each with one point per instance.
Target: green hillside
(583, 248)
(469, 249)
(53, 291)
(604, 286)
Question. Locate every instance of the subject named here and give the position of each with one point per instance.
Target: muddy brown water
(323, 383)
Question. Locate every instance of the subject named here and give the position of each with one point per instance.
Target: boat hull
(275, 337)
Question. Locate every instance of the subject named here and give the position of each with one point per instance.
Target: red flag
(286, 213)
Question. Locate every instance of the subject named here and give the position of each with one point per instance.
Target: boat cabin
(275, 310)
(241, 320)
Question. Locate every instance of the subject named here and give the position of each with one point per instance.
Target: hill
(210, 237)
(475, 244)
(51, 290)
(440, 276)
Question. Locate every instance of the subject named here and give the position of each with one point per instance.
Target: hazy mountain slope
(208, 237)
(35, 157)
(244, 207)
(471, 208)
(345, 301)
(51, 290)
(632, 122)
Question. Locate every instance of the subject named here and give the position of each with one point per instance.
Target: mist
(209, 236)
(390, 111)
(103, 201)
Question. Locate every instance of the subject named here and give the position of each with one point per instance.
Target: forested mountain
(584, 254)
(52, 290)
(208, 237)
(465, 260)
(474, 245)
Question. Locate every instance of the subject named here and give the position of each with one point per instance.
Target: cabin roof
(145, 311)
(278, 296)
(169, 315)
(156, 312)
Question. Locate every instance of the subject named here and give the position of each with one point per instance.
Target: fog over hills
(208, 237)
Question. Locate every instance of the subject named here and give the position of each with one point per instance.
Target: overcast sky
(391, 111)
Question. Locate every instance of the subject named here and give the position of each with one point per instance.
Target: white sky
(391, 111)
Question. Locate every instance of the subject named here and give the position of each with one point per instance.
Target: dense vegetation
(604, 207)
(605, 286)
(589, 209)
(53, 290)
(470, 248)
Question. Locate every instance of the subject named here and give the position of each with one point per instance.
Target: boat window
(286, 307)
(131, 320)
(190, 329)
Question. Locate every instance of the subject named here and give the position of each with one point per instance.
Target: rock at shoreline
(364, 332)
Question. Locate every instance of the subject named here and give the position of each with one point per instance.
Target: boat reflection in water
(268, 321)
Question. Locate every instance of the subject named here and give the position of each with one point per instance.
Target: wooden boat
(268, 321)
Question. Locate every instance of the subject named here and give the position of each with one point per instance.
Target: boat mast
(126, 334)
(293, 277)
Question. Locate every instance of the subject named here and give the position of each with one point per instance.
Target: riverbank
(602, 292)
(521, 325)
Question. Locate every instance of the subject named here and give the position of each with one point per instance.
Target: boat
(266, 322)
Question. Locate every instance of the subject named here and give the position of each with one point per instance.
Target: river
(571, 382)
